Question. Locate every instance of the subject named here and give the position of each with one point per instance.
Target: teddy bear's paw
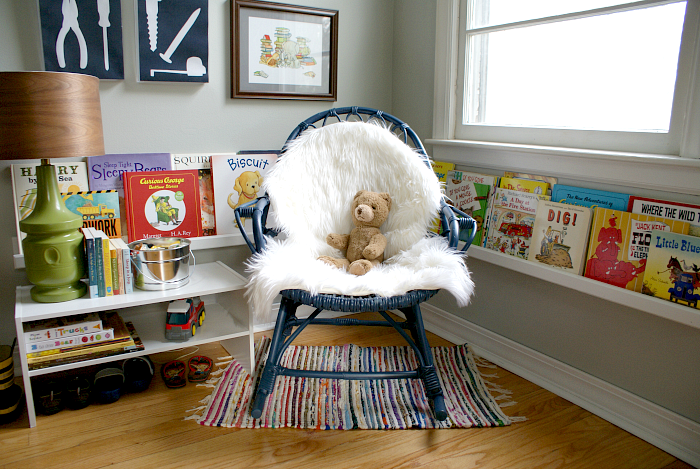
(372, 252)
(360, 267)
(332, 261)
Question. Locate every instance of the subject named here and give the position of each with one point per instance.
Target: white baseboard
(673, 433)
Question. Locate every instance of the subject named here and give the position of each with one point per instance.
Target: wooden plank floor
(147, 430)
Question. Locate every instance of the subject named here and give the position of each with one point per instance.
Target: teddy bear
(365, 244)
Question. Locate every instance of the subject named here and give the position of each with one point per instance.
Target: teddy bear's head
(370, 208)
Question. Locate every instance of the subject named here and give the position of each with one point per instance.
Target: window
(594, 74)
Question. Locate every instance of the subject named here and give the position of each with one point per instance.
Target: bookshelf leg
(241, 348)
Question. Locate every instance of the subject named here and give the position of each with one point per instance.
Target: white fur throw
(311, 188)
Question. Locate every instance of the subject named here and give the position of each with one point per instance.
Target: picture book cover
(105, 171)
(560, 235)
(667, 209)
(202, 163)
(99, 209)
(673, 268)
(71, 176)
(470, 192)
(525, 185)
(619, 244)
(162, 204)
(237, 179)
(440, 168)
(548, 179)
(592, 198)
(511, 220)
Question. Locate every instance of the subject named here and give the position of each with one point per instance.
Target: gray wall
(182, 118)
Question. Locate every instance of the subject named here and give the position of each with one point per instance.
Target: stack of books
(108, 264)
(58, 341)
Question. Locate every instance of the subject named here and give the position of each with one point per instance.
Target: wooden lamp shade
(51, 115)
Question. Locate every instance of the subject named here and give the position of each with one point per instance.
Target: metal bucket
(163, 267)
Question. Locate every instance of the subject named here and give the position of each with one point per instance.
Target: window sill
(633, 170)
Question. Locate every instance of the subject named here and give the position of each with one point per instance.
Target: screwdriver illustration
(103, 10)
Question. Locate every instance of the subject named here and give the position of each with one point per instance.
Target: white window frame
(683, 138)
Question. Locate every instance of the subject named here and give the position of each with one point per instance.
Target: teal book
(590, 197)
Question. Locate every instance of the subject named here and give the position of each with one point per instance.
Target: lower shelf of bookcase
(227, 320)
(673, 311)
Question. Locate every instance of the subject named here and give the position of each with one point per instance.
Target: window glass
(610, 72)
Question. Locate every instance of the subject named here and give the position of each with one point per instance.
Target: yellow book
(525, 185)
(440, 168)
(107, 257)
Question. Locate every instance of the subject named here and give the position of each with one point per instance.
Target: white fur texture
(311, 188)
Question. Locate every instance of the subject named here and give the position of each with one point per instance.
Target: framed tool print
(282, 51)
(83, 36)
(173, 40)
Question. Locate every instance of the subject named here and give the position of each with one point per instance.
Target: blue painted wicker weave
(288, 326)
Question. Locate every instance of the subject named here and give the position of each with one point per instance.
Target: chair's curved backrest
(312, 185)
(362, 114)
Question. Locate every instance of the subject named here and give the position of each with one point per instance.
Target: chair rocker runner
(325, 161)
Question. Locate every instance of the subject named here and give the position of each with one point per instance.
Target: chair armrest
(454, 221)
(256, 210)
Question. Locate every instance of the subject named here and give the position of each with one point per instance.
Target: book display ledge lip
(146, 309)
(200, 243)
(666, 309)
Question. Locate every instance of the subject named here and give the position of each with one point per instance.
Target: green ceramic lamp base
(53, 249)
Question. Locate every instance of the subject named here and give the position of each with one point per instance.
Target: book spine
(114, 265)
(107, 264)
(128, 273)
(91, 263)
(69, 342)
(100, 269)
(72, 330)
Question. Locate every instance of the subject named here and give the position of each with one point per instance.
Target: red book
(162, 204)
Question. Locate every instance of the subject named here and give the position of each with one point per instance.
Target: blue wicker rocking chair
(288, 326)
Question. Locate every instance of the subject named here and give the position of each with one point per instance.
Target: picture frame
(281, 51)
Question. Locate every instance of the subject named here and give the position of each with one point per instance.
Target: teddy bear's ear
(387, 197)
(359, 193)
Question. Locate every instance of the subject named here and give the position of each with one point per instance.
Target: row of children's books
(74, 338)
(151, 195)
(108, 264)
(642, 244)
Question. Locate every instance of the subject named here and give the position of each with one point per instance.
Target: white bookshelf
(228, 319)
(656, 306)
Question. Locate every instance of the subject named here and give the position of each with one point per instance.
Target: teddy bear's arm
(338, 241)
(375, 248)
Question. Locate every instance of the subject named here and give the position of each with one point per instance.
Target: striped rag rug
(329, 404)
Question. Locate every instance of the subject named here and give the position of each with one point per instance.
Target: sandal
(173, 374)
(199, 367)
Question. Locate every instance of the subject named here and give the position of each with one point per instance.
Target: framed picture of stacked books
(281, 51)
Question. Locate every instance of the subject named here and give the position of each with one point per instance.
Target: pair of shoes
(198, 369)
(48, 397)
(138, 373)
(109, 383)
(78, 392)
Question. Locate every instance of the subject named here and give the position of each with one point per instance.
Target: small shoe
(199, 367)
(49, 397)
(78, 392)
(173, 374)
(138, 372)
(108, 385)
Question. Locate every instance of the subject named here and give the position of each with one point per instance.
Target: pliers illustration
(70, 21)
